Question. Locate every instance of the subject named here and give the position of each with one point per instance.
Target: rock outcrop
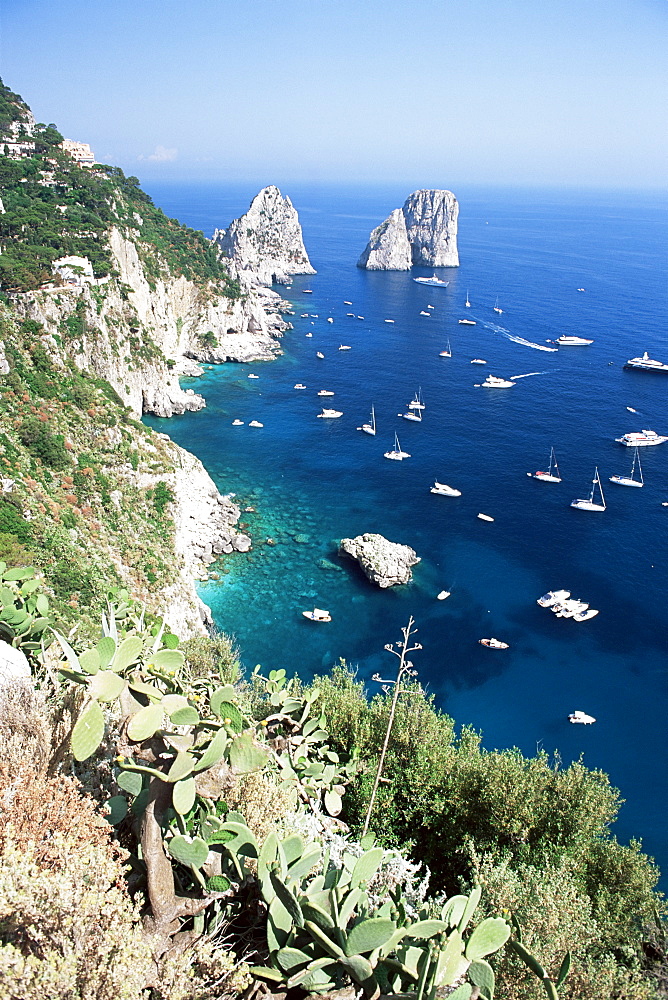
(424, 232)
(14, 667)
(384, 563)
(266, 244)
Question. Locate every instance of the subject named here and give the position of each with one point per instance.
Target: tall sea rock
(424, 232)
(266, 244)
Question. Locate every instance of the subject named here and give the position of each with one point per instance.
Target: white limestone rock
(266, 244)
(384, 563)
(14, 667)
(423, 232)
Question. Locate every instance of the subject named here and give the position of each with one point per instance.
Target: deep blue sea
(312, 482)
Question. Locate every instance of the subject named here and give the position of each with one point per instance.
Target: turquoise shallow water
(312, 482)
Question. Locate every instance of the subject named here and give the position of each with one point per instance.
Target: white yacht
(641, 439)
(647, 364)
(447, 353)
(397, 455)
(584, 616)
(494, 382)
(589, 503)
(631, 480)
(478, 361)
(330, 414)
(497, 309)
(552, 475)
(466, 322)
(319, 354)
(318, 615)
(345, 347)
(553, 597)
(415, 415)
(570, 341)
(569, 608)
(369, 428)
(445, 491)
(436, 282)
(325, 392)
(578, 716)
(417, 402)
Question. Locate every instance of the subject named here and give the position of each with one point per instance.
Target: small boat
(584, 616)
(445, 491)
(255, 423)
(308, 334)
(326, 392)
(485, 517)
(569, 341)
(645, 363)
(415, 415)
(346, 303)
(330, 414)
(351, 314)
(417, 402)
(344, 347)
(330, 319)
(466, 322)
(253, 376)
(443, 595)
(549, 476)
(478, 361)
(397, 455)
(237, 423)
(315, 316)
(360, 317)
(553, 597)
(494, 382)
(436, 282)
(631, 410)
(581, 717)
(307, 291)
(423, 313)
(467, 303)
(630, 480)
(447, 353)
(493, 643)
(317, 615)
(496, 307)
(431, 307)
(589, 503)
(303, 315)
(299, 386)
(389, 321)
(369, 428)
(641, 439)
(581, 289)
(569, 608)
(319, 354)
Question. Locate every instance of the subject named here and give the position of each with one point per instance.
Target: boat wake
(514, 378)
(493, 326)
(529, 343)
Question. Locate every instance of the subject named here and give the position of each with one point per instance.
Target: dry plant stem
(404, 668)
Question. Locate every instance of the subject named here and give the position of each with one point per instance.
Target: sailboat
(589, 504)
(467, 303)
(496, 307)
(417, 402)
(447, 353)
(369, 428)
(397, 455)
(629, 480)
(549, 476)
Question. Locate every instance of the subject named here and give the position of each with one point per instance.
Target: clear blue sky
(434, 92)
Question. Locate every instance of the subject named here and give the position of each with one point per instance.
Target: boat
(568, 341)
(485, 517)
(578, 716)
(299, 385)
(567, 609)
(326, 392)
(584, 616)
(415, 415)
(641, 439)
(496, 307)
(493, 643)
(303, 315)
(581, 289)
(308, 334)
(252, 376)
(307, 291)
(397, 455)
(255, 423)
(467, 303)
(330, 319)
(445, 491)
(443, 595)
(360, 317)
(423, 313)
(330, 414)
(466, 322)
(417, 402)
(389, 321)
(434, 281)
(344, 347)
(589, 504)
(631, 410)
(447, 353)
(319, 354)
(549, 476)
(630, 480)
(553, 597)
(351, 314)
(478, 361)
(645, 363)
(346, 303)
(369, 428)
(317, 615)
(237, 423)
(494, 382)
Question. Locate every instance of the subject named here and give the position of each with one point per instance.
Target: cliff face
(424, 231)
(266, 244)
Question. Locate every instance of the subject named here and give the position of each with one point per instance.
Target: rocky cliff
(424, 232)
(266, 244)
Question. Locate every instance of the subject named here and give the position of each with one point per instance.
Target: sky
(431, 92)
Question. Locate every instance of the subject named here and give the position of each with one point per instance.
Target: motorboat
(351, 314)
(397, 455)
(478, 361)
(325, 392)
(319, 354)
(252, 376)
(567, 340)
(330, 319)
(578, 716)
(346, 303)
(496, 307)
(434, 281)
(641, 439)
(299, 385)
(344, 347)
(388, 321)
(630, 480)
(308, 334)
(330, 414)
(645, 363)
(569, 608)
(584, 616)
(303, 315)
(485, 517)
(447, 353)
(369, 428)
(494, 382)
(493, 643)
(443, 595)
(307, 291)
(237, 423)
(552, 475)
(589, 503)
(317, 615)
(581, 289)
(445, 491)
(431, 307)
(360, 317)
(466, 322)
(423, 313)
(553, 597)
(255, 423)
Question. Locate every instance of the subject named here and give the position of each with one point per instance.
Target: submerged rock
(424, 231)
(384, 563)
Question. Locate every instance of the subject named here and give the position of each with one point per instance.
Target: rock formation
(385, 563)
(265, 245)
(424, 232)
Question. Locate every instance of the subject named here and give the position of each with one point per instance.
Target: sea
(589, 263)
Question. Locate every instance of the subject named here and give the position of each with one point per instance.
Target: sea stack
(266, 244)
(385, 563)
(423, 232)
